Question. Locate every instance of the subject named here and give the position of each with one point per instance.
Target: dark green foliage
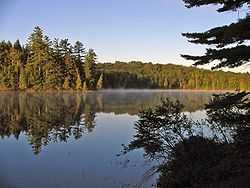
(57, 65)
(15, 58)
(42, 64)
(39, 56)
(147, 75)
(228, 57)
(222, 36)
(70, 70)
(189, 160)
(227, 5)
(195, 161)
(45, 118)
(159, 129)
(233, 34)
(90, 69)
(192, 163)
(79, 53)
(230, 108)
(11, 59)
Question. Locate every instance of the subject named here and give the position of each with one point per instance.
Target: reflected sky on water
(71, 139)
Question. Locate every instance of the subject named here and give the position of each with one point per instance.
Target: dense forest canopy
(45, 64)
(168, 76)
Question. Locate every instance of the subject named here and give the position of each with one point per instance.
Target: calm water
(71, 139)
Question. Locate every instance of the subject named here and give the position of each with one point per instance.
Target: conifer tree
(71, 70)
(79, 52)
(39, 56)
(58, 63)
(17, 45)
(50, 68)
(5, 62)
(90, 68)
(65, 47)
(234, 35)
(15, 58)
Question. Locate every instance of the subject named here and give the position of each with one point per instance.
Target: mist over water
(71, 139)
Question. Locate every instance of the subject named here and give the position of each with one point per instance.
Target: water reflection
(55, 117)
(191, 159)
(45, 118)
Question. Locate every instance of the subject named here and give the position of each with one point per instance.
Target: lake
(72, 139)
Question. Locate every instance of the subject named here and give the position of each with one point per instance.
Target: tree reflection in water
(188, 159)
(56, 117)
(45, 118)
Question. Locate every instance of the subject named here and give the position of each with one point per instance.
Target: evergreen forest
(45, 64)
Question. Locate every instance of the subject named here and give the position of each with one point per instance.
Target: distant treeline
(136, 74)
(45, 64)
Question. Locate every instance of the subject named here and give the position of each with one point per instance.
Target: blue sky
(147, 30)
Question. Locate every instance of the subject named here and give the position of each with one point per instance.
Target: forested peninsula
(45, 64)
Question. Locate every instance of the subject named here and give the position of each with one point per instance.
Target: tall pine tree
(79, 52)
(14, 67)
(90, 68)
(38, 57)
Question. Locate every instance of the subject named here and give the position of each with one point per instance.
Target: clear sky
(147, 30)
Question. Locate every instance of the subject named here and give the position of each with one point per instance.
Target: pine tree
(14, 67)
(51, 69)
(58, 64)
(79, 52)
(4, 65)
(17, 45)
(39, 56)
(42, 64)
(65, 47)
(234, 35)
(90, 69)
(53, 76)
(71, 70)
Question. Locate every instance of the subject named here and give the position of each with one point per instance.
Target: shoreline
(118, 90)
